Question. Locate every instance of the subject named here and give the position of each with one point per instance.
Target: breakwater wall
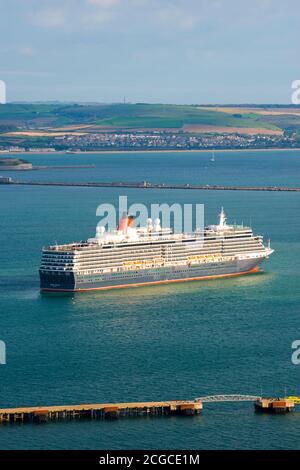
(146, 185)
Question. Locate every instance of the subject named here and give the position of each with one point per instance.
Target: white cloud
(27, 51)
(51, 17)
(29, 73)
(104, 3)
(70, 15)
(264, 4)
(98, 17)
(176, 17)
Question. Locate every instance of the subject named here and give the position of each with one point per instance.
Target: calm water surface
(165, 342)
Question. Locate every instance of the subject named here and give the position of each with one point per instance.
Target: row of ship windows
(106, 263)
(242, 234)
(251, 247)
(173, 256)
(153, 271)
(58, 273)
(151, 247)
(151, 250)
(134, 274)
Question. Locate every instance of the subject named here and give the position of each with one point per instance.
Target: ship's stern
(56, 282)
(57, 269)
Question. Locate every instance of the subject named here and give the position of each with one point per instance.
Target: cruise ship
(148, 255)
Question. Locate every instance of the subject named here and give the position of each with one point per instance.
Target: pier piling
(108, 411)
(112, 411)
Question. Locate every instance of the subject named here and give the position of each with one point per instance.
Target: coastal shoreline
(116, 152)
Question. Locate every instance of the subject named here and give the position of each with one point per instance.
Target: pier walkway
(227, 398)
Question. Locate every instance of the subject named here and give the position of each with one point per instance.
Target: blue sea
(165, 342)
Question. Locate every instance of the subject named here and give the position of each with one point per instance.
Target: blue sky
(172, 51)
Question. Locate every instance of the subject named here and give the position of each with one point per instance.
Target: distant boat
(213, 157)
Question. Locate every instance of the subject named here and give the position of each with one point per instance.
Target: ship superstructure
(133, 256)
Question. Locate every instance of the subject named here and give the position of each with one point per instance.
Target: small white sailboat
(213, 156)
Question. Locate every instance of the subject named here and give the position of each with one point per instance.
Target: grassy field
(130, 116)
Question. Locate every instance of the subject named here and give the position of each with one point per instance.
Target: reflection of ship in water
(133, 256)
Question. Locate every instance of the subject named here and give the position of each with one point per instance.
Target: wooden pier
(102, 411)
(99, 411)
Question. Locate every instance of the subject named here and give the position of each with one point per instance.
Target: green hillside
(123, 115)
